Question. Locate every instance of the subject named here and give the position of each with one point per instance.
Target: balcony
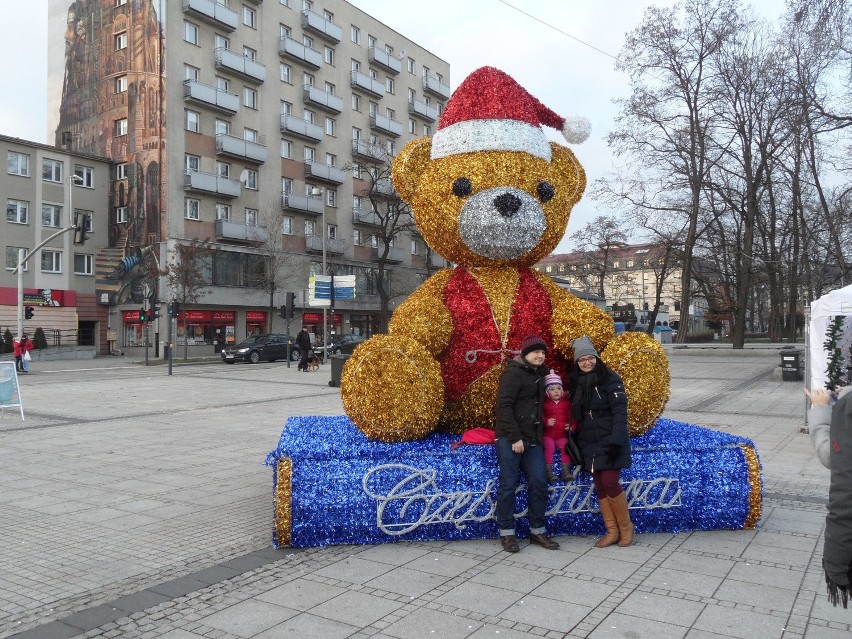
(435, 87)
(324, 172)
(367, 84)
(323, 99)
(206, 95)
(385, 60)
(226, 230)
(422, 110)
(212, 12)
(238, 148)
(386, 125)
(250, 70)
(211, 183)
(301, 128)
(384, 187)
(302, 203)
(295, 50)
(395, 255)
(333, 246)
(317, 24)
(368, 151)
(363, 216)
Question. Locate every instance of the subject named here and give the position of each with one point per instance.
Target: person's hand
(819, 397)
(551, 421)
(518, 447)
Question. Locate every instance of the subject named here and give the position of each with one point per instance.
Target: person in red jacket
(18, 349)
(25, 346)
(557, 420)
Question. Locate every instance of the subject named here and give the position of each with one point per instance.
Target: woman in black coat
(599, 404)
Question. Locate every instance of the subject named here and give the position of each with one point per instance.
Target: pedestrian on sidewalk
(557, 421)
(599, 404)
(303, 341)
(18, 350)
(518, 434)
(24, 345)
(831, 436)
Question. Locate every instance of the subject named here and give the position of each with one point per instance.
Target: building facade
(250, 126)
(42, 186)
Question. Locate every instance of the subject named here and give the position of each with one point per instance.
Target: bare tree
(188, 274)
(595, 243)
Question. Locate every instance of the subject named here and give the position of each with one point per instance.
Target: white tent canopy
(823, 311)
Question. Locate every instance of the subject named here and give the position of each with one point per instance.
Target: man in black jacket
(303, 341)
(518, 435)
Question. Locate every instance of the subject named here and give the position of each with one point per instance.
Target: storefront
(197, 328)
(255, 322)
(313, 322)
(134, 330)
(365, 325)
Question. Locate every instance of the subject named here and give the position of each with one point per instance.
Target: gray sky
(536, 43)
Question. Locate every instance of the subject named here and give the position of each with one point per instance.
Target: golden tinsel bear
(492, 195)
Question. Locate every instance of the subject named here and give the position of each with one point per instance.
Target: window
(284, 31)
(120, 43)
(221, 42)
(329, 126)
(308, 80)
(193, 121)
(190, 33)
(251, 217)
(120, 3)
(286, 185)
(331, 159)
(121, 214)
(356, 66)
(223, 84)
(51, 215)
(309, 154)
(414, 247)
(12, 257)
(310, 227)
(286, 149)
(308, 115)
(308, 42)
(193, 162)
(223, 169)
(390, 148)
(329, 56)
(329, 88)
(390, 85)
(374, 106)
(250, 135)
(328, 15)
(121, 84)
(331, 197)
(16, 211)
(371, 41)
(86, 175)
(356, 171)
(120, 127)
(287, 225)
(427, 130)
(286, 108)
(223, 126)
(18, 164)
(83, 264)
(425, 70)
(251, 179)
(249, 17)
(331, 231)
(356, 102)
(191, 73)
(249, 97)
(411, 65)
(355, 34)
(412, 126)
(412, 95)
(51, 170)
(357, 237)
(356, 133)
(249, 53)
(51, 261)
(286, 73)
(223, 212)
(390, 113)
(191, 209)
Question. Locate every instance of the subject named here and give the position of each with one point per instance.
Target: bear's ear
(409, 165)
(566, 165)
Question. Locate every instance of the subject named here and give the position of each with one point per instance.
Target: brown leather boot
(612, 533)
(544, 541)
(622, 516)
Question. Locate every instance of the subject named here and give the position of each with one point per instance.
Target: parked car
(266, 347)
(345, 344)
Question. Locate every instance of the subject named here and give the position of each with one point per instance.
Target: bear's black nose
(508, 204)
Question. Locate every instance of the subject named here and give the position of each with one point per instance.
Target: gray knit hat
(583, 347)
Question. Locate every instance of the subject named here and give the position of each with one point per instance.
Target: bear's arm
(573, 318)
(423, 316)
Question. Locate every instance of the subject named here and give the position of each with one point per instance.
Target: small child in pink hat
(557, 420)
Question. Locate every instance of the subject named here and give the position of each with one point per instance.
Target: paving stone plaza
(136, 504)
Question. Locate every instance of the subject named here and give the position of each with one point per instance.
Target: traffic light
(291, 305)
(80, 219)
(143, 315)
(282, 312)
(154, 313)
(29, 311)
(175, 308)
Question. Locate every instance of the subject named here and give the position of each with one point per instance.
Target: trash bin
(337, 362)
(790, 365)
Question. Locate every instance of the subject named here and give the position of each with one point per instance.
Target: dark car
(267, 347)
(345, 344)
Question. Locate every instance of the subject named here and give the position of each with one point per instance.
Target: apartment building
(42, 187)
(252, 125)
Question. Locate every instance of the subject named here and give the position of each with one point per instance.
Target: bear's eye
(462, 187)
(545, 191)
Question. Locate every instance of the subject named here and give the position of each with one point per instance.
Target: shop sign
(255, 316)
(131, 316)
(223, 316)
(316, 318)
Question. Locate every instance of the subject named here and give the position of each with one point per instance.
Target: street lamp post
(317, 192)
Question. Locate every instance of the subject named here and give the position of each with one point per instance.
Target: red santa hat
(490, 111)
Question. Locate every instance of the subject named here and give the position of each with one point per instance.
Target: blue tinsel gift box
(334, 486)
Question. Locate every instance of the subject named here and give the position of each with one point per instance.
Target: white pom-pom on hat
(576, 129)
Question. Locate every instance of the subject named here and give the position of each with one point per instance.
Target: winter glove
(613, 451)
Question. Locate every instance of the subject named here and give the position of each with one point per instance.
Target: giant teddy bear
(492, 195)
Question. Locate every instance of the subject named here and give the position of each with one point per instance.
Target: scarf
(837, 551)
(586, 383)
